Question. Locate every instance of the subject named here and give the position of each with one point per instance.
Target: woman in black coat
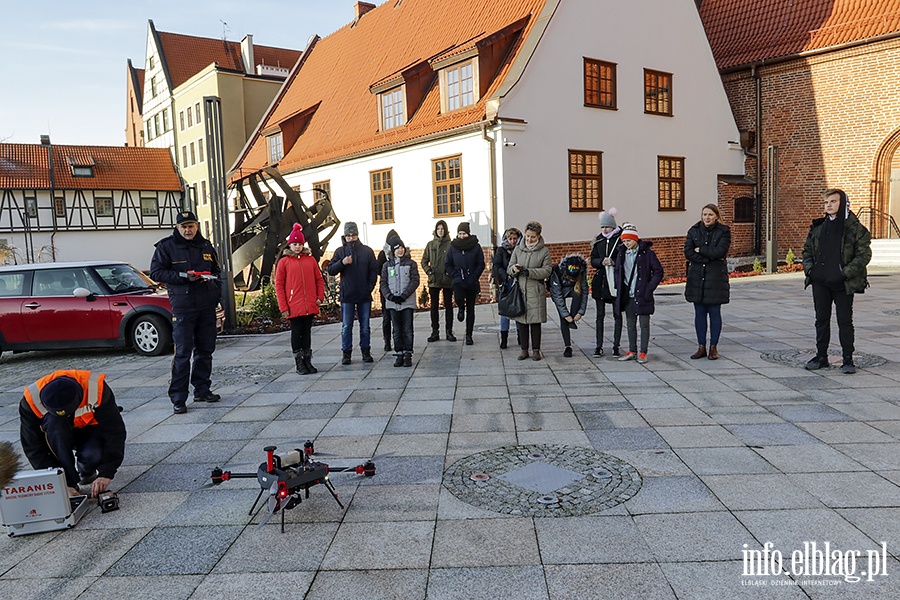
(465, 264)
(705, 248)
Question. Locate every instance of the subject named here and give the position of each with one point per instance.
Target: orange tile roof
(27, 166)
(340, 69)
(187, 55)
(747, 31)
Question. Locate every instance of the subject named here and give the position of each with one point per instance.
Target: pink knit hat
(296, 236)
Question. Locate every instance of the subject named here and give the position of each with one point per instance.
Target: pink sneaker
(627, 356)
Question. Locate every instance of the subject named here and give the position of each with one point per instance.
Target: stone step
(885, 253)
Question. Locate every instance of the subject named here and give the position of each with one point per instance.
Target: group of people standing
(626, 275)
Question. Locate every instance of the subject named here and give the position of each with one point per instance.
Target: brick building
(811, 88)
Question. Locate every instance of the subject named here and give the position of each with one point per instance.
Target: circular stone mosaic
(542, 480)
(799, 358)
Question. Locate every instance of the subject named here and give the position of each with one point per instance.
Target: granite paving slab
(177, 551)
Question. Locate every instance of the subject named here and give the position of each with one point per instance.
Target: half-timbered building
(69, 203)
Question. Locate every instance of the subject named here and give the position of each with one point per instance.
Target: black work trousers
(194, 334)
(465, 298)
(78, 449)
(824, 296)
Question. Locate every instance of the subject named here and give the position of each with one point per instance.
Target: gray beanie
(350, 228)
(608, 219)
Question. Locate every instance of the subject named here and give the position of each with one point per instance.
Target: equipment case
(38, 501)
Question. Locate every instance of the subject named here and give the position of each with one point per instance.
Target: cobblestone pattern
(799, 358)
(894, 313)
(586, 496)
(243, 373)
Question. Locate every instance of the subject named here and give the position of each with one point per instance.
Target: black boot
(407, 359)
(450, 336)
(298, 362)
(307, 360)
(434, 335)
(367, 355)
(504, 339)
(346, 359)
(398, 362)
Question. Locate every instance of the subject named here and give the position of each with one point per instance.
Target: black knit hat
(464, 226)
(62, 395)
(395, 242)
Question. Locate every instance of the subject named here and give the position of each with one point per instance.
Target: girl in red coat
(300, 289)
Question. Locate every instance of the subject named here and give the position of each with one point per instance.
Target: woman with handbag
(499, 266)
(530, 264)
(603, 286)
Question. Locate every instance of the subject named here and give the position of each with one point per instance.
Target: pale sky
(63, 63)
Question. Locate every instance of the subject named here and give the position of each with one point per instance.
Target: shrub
(757, 266)
(265, 305)
(424, 297)
(790, 257)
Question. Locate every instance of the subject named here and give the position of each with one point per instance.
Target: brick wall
(830, 115)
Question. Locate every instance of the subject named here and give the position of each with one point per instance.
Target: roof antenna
(225, 30)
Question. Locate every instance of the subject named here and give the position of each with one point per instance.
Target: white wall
(665, 36)
(413, 197)
(133, 246)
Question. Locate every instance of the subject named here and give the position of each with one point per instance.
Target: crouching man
(70, 420)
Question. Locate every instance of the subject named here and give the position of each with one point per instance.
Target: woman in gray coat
(530, 263)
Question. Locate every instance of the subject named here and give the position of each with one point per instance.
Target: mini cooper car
(55, 306)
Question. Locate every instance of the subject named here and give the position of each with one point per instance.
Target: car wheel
(151, 335)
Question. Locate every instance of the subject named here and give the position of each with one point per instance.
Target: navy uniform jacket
(175, 255)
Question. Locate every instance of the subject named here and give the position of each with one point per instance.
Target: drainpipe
(757, 195)
(492, 143)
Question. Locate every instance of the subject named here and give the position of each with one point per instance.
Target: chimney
(362, 8)
(247, 53)
(45, 140)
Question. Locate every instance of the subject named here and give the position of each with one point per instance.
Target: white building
(505, 111)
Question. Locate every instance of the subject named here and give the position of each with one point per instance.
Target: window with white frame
(459, 86)
(201, 156)
(149, 207)
(197, 113)
(103, 206)
(190, 116)
(275, 144)
(392, 109)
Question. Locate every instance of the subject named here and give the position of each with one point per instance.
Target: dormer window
(82, 171)
(458, 86)
(392, 109)
(81, 165)
(275, 144)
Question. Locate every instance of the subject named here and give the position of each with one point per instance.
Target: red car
(54, 306)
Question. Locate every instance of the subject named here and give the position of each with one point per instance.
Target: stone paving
(737, 452)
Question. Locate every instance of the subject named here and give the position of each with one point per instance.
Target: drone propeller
(204, 487)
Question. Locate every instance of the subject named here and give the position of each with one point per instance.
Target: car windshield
(124, 278)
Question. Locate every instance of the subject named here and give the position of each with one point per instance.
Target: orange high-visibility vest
(91, 383)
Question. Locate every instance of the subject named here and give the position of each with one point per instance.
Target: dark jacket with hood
(173, 258)
(359, 277)
(707, 271)
(648, 273)
(853, 251)
(500, 262)
(400, 279)
(465, 262)
(434, 259)
(562, 286)
(602, 285)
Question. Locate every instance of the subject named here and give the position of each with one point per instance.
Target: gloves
(401, 298)
(395, 298)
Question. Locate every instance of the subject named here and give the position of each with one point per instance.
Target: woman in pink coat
(300, 289)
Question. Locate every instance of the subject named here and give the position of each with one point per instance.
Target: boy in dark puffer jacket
(399, 281)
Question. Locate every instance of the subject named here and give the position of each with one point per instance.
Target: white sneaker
(642, 358)
(627, 356)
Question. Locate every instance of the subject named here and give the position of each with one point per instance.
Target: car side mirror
(81, 292)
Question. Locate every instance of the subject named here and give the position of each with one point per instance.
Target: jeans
(714, 311)
(632, 319)
(617, 324)
(402, 323)
(194, 334)
(564, 327)
(823, 297)
(301, 332)
(362, 311)
(466, 297)
(435, 294)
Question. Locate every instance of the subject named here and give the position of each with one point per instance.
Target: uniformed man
(70, 420)
(187, 263)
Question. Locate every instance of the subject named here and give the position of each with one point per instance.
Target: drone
(287, 476)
